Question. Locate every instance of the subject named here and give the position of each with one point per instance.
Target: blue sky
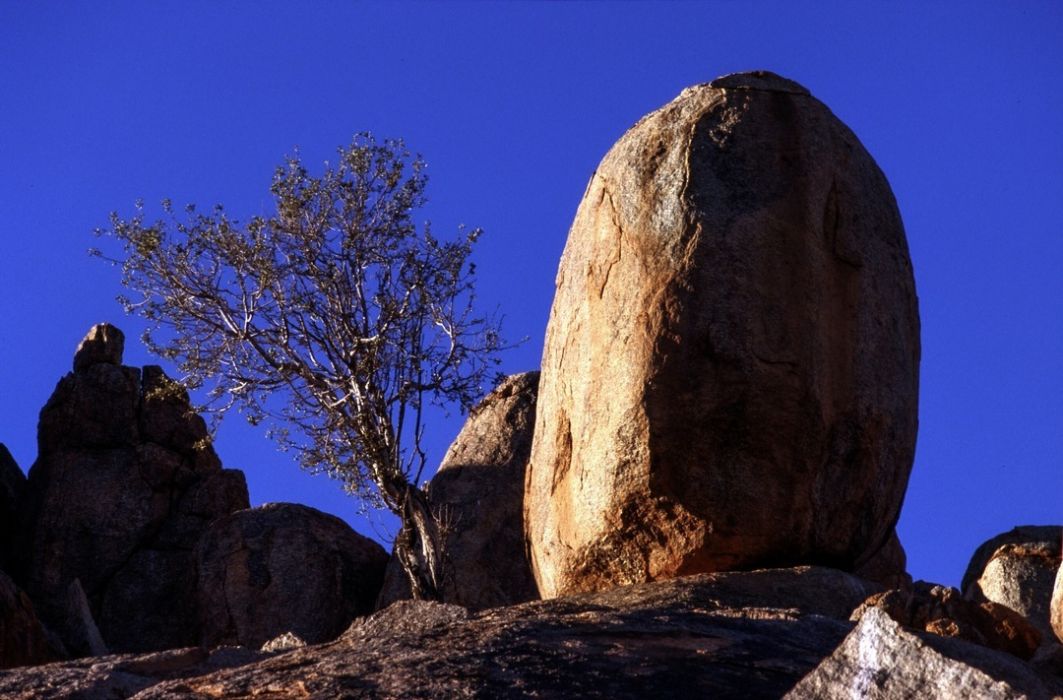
(513, 105)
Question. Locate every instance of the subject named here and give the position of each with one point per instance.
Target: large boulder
(282, 568)
(124, 484)
(12, 485)
(1018, 569)
(23, 639)
(880, 660)
(479, 492)
(730, 377)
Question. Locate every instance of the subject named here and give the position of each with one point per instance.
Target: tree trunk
(419, 546)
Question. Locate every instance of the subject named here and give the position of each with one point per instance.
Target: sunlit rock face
(730, 376)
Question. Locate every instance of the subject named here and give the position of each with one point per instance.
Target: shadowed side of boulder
(478, 494)
(282, 568)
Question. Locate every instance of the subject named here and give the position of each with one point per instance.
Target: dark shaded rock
(103, 344)
(12, 486)
(730, 375)
(736, 635)
(124, 484)
(888, 566)
(479, 494)
(283, 568)
(880, 660)
(77, 627)
(118, 676)
(944, 611)
(23, 640)
(1018, 569)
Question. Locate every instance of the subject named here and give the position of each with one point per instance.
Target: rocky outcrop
(881, 661)
(283, 568)
(479, 493)
(102, 345)
(23, 640)
(124, 484)
(943, 611)
(12, 485)
(749, 635)
(730, 376)
(1018, 569)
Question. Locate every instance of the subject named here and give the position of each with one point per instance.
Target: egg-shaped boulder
(730, 376)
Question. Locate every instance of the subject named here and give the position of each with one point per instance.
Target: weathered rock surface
(730, 376)
(282, 568)
(479, 490)
(23, 640)
(733, 635)
(118, 676)
(944, 611)
(12, 485)
(880, 660)
(123, 486)
(1018, 569)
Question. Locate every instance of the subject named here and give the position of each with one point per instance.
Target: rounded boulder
(730, 376)
(283, 567)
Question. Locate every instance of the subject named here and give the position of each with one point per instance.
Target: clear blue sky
(513, 105)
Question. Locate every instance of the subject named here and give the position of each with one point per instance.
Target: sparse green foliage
(335, 316)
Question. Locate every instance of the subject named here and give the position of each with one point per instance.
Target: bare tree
(335, 317)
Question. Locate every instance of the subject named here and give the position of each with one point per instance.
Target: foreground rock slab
(117, 676)
(730, 375)
(736, 635)
(881, 660)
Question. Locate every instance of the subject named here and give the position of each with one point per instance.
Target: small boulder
(282, 568)
(879, 660)
(943, 611)
(1018, 569)
(283, 642)
(103, 344)
(479, 493)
